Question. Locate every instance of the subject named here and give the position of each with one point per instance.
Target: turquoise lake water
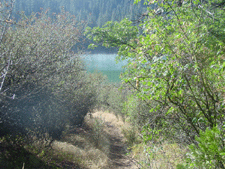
(106, 64)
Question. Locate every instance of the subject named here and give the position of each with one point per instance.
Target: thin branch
(7, 19)
(4, 75)
(178, 19)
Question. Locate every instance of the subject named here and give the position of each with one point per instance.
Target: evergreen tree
(95, 12)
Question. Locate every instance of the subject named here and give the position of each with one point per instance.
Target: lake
(106, 64)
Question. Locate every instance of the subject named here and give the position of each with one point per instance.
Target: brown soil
(118, 149)
(109, 153)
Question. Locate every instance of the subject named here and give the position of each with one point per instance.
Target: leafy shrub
(131, 135)
(177, 63)
(116, 98)
(209, 151)
(112, 97)
(44, 84)
(136, 111)
(82, 98)
(97, 131)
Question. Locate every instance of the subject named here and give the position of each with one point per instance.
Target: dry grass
(88, 144)
(110, 118)
(114, 128)
(86, 147)
(92, 143)
(160, 156)
(90, 147)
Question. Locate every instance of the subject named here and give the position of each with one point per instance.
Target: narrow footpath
(118, 149)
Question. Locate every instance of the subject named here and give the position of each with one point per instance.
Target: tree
(178, 58)
(84, 7)
(41, 76)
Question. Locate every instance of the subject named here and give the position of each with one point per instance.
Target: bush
(82, 98)
(209, 151)
(44, 84)
(177, 63)
(137, 111)
(112, 97)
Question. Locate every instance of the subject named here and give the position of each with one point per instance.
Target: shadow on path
(118, 149)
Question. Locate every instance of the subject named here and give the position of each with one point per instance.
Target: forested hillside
(95, 12)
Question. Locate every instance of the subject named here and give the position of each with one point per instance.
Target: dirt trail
(111, 153)
(118, 148)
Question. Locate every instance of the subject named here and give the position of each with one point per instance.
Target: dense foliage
(209, 151)
(44, 85)
(176, 58)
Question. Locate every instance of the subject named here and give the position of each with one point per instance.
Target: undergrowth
(83, 147)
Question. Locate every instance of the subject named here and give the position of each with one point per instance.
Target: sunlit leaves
(178, 59)
(114, 34)
(209, 152)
